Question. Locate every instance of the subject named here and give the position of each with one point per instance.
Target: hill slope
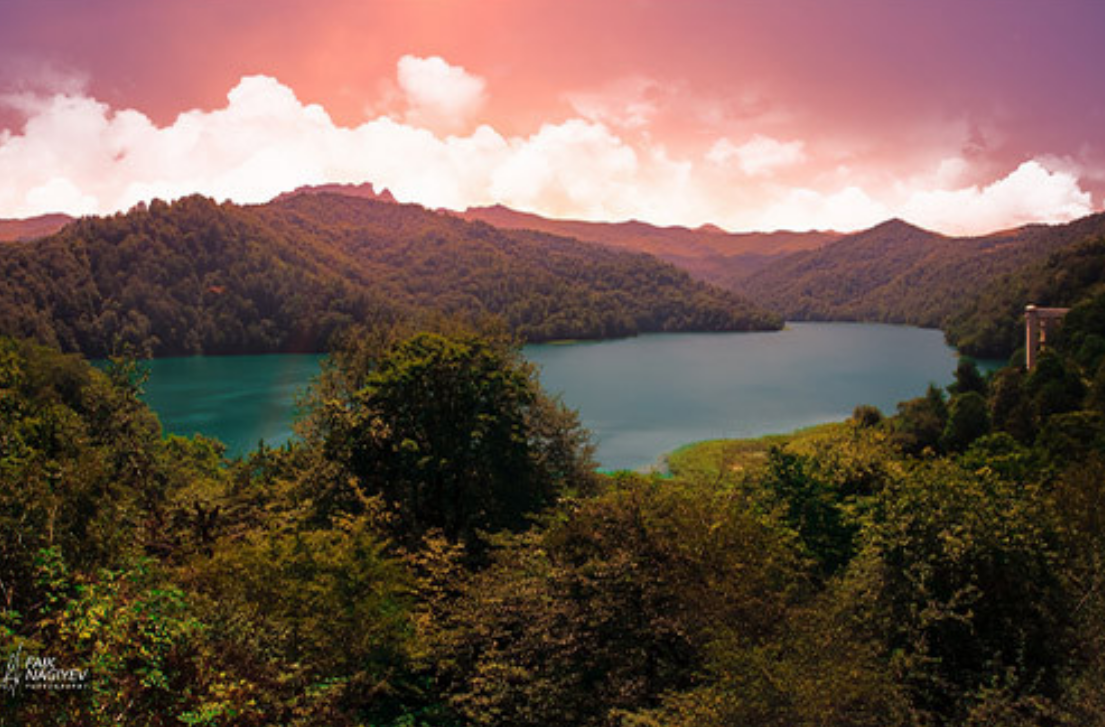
(32, 227)
(708, 253)
(196, 277)
(898, 273)
(991, 325)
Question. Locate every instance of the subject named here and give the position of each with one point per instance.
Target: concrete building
(1038, 323)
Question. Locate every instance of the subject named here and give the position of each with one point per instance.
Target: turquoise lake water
(640, 397)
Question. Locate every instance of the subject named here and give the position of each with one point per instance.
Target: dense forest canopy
(197, 277)
(437, 550)
(991, 323)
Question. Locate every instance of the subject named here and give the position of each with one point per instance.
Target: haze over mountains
(366, 190)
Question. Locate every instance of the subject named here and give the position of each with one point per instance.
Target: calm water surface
(641, 397)
(240, 400)
(646, 396)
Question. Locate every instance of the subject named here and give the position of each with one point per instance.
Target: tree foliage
(613, 604)
(198, 277)
(954, 578)
(436, 550)
(454, 433)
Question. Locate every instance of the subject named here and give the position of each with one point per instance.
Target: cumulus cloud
(850, 208)
(575, 166)
(441, 97)
(76, 154)
(1030, 193)
(760, 155)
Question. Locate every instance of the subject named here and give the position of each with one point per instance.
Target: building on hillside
(1038, 324)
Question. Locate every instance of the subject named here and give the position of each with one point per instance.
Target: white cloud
(759, 156)
(31, 74)
(577, 166)
(441, 97)
(56, 193)
(78, 155)
(850, 208)
(1030, 193)
(630, 103)
(950, 171)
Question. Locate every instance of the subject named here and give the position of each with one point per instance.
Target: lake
(641, 397)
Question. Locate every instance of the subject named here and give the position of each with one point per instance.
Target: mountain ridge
(899, 273)
(30, 228)
(197, 277)
(364, 190)
(707, 252)
(894, 272)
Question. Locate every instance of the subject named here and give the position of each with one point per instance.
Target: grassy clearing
(719, 457)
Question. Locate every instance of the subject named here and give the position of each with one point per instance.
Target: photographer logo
(34, 672)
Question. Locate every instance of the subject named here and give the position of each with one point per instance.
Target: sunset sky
(960, 116)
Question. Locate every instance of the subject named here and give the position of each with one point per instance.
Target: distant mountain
(360, 191)
(43, 225)
(898, 273)
(198, 277)
(32, 227)
(708, 252)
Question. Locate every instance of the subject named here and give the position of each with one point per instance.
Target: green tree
(318, 621)
(614, 604)
(956, 578)
(967, 378)
(455, 434)
(1009, 405)
(1078, 494)
(866, 415)
(1053, 387)
(1069, 438)
(968, 419)
(817, 671)
(812, 506)
(920, 422)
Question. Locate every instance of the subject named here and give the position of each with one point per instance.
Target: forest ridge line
(894, 272)
(196, 277)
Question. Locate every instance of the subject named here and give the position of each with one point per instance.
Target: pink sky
(959, 116)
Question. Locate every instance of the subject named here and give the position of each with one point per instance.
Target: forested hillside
(198, 277)
(544, 286)
(709, 253)
(991, 323)
(898, 273)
